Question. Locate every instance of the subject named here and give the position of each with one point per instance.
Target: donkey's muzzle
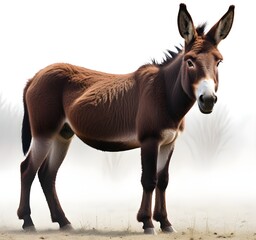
(205, 95)
(206, 102)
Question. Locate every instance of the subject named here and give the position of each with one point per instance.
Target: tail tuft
(26, 131)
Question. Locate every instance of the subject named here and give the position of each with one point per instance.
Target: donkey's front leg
(149, 152)
(160, 212)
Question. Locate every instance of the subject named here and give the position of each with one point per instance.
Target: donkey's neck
(179, 103)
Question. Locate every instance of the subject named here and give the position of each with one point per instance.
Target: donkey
(144, 109)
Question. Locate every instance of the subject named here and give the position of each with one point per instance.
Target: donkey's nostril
(215, 98)
(201, 98)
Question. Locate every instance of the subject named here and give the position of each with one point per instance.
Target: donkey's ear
(221, 29)
(185, 24)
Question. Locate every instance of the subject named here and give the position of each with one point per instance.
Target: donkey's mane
(168, 58)
(171, 55)
(201, 29)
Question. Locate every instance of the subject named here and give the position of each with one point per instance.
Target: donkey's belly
(110, 146)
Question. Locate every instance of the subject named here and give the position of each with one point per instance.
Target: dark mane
(168, 58)
(200, 29)
(171, 55)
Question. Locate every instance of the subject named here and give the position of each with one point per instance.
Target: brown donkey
(144, 109)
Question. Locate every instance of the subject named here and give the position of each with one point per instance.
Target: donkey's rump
(43, 96)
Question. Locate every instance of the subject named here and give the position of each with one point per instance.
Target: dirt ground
(189, 234)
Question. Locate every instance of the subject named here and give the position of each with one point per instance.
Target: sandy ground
(127, 235)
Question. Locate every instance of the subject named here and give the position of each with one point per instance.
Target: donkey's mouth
(205, 111)
(206, 107)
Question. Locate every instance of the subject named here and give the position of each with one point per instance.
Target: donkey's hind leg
(47, 176)
(39, 150)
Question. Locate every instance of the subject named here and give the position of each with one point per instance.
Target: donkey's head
(201, 57)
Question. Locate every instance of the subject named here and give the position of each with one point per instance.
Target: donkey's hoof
(169, 229)
(150, 231)
(28, 224)
(29, 229)
(67, 228)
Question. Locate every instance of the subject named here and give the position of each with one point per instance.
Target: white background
(118, 37)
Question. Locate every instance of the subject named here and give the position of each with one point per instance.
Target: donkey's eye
(218, 63)
(190, 63)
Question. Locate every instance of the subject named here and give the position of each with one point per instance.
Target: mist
(212, 171)
(211, 179)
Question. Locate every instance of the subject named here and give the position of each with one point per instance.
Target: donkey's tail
(26, 131)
